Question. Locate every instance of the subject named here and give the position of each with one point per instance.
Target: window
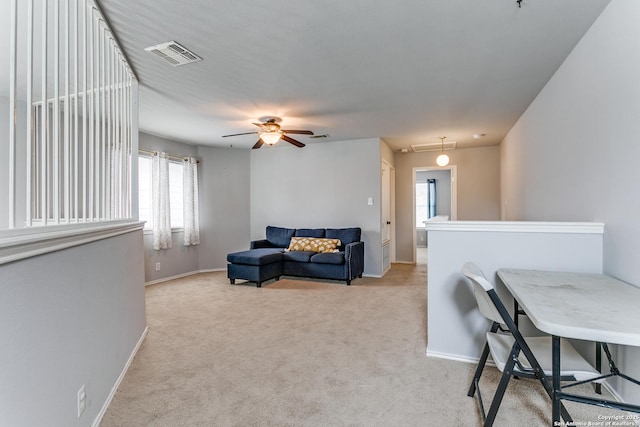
(175, 191)
(425, 201)
(145, 192)
(422, 203)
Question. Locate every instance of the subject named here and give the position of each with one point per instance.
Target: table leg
(555, 361)
(599, 365)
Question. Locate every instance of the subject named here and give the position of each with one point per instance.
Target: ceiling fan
(270, 133)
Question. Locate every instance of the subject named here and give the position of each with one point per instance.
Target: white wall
(68, 318)
(324, 185)
(573, 155)
(478, 189)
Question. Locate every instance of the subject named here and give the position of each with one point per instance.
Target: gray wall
(478, 189)
(324, 185)
(573, 155)
(68, 318)
(223, 178)
(243, 191)
(386, 153)
(224, 175)
(492, 246)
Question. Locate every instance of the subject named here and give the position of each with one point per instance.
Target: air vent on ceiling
(435, 146)
(174, 53)
(319, 136)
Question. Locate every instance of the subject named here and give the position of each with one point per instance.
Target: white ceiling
(407, 71)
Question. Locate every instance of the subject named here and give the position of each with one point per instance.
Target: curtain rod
(155, 153)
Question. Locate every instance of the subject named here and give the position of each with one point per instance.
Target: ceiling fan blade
(238, 134)
(258, 144)
(299, 132)
(293, 141)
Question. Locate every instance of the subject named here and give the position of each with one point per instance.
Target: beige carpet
(304, 353)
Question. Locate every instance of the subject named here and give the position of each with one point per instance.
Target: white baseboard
(455, 357)
(211, 270)
(107, 402)
(178, 276)
(215, 270)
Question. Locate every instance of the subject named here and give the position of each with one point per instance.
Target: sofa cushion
(310, 232)
(346, 235)
(298, 256)
(256, 256)
(329, 258)
(279, 236)
(313, 244)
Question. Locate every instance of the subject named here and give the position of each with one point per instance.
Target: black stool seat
(255, 265)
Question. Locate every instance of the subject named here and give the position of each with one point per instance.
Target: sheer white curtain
(190, 202)
(160, 199)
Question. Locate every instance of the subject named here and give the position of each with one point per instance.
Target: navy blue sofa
(267, 259)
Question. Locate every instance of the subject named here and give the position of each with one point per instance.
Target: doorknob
(388, 222)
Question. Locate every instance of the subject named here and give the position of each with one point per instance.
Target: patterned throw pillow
(313, 244)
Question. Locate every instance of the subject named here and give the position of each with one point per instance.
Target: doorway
(434, 195)
(388, 174)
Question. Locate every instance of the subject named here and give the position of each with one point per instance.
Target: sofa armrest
(263, 243)
(354, 259)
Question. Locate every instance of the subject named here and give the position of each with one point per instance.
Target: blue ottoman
(255, 265)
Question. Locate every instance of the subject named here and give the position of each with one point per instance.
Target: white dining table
(585, 306)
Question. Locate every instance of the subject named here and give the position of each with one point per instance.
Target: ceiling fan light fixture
(270, 133)
(270, 138)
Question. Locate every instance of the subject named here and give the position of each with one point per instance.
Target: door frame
(392, 214)
(454, 197)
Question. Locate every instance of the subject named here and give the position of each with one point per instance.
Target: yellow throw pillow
(313, 244)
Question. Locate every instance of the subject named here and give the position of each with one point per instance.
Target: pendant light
(442, 159)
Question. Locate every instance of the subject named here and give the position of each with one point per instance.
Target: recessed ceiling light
(479, 135)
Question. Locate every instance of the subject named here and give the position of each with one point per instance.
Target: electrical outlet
(157, 266)
(82, 400)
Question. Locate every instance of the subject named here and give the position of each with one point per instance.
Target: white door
(387, 215)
